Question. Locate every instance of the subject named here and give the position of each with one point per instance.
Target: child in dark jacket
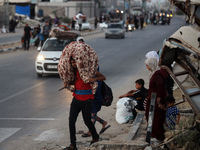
(139, 95)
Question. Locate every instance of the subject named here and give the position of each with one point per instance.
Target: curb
(118, 145)
(18, 47)
(94, 32)
(10, 49)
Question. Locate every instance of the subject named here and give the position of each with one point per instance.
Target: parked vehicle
(49, 55)
(115, 30)
(102, 25)
(85, 26)
(131, 27)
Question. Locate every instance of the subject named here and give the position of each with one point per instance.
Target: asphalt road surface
(30, 105)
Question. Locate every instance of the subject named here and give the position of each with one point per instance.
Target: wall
(70, 8)
(3, 16)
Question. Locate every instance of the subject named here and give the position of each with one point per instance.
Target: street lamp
(6, 16)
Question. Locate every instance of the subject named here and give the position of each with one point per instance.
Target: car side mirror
(39, 48)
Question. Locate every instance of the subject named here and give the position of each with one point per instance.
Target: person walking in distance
(95, 22)
(80, 21)
(73, 24)
(27, 36)
(46, 30)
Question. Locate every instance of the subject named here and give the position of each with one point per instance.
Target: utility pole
(144, 5)
(4, 13)
(124, 11)
(36, 9)
(7, 15)
(95, 8)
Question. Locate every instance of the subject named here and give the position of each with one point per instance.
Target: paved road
(32, 107)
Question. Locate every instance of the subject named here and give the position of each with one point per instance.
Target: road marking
(49, 135)
(34, 119)
(21, 92)
(7, 132)
(5, 65)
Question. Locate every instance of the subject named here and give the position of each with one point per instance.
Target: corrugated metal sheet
(191, 1)
(191, 8)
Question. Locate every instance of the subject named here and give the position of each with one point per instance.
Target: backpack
(107, 94)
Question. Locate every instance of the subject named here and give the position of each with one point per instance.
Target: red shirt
(83, 91)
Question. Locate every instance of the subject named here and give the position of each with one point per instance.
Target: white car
(49, 55)
(115, 30)
(102, 25)
(85, 26)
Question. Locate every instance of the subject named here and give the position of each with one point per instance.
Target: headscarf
(152, 54)
(86, 60)
(153, 65)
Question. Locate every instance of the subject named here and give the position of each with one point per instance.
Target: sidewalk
(15, 45)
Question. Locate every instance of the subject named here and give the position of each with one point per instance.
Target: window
(56, 45)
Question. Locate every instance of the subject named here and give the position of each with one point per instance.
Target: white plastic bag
(124, 110)
(32, 41)
(36, 37)
(3, 29)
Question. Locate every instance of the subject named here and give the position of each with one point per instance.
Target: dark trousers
(26, 42)
(85, 107)
(45, 37)
(80, 26)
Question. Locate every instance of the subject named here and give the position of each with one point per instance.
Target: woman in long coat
(157, 85)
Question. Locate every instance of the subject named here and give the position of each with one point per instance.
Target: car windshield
(115, 26)
(56, 45)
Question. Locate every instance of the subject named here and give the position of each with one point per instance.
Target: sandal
(70, 148)
(104, 129)
(86, 135)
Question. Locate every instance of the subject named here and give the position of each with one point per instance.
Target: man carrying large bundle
(77, 66)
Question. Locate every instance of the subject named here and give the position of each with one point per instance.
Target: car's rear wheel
(39, 74)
